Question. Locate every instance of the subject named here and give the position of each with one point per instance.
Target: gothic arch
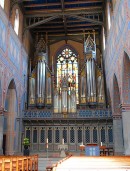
(62, 48)
(126, 79)
(66, 46)
(116, 97)
(10, 114)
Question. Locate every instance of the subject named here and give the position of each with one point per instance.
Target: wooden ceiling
(62, 19)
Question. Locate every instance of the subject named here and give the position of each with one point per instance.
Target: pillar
(1, 131)
(126, 128)
(118, 135)
(11, 138)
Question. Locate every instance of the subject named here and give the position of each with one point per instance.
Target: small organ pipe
(37, 80)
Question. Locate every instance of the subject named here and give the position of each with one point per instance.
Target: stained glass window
(67, 67)
(109, 17)
(2, 2)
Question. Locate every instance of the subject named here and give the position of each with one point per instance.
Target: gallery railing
(48, 114)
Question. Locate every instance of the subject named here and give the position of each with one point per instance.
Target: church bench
(19, 163)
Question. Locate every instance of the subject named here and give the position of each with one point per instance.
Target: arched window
(2, 3)
(16, 22)
(109, 16)
(67, 67)
(104, 41)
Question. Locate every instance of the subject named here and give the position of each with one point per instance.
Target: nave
(107, 163)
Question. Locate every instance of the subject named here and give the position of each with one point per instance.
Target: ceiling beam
(79, 9)
(64, 18)
(65, 38)
(66, 3)
(68, 26)
(62, 30)
(42, 22)
(87, 19)
(95, 11)
(52, 23)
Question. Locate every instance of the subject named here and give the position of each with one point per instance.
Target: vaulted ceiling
(63, 19)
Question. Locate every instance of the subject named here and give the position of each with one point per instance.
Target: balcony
(80, 115)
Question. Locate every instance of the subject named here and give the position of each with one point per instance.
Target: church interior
(64, 75)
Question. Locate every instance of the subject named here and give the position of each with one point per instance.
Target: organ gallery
(66, 88)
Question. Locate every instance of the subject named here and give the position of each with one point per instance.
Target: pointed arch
(126, 79)
(64, 47)
(116, 97)
(11, 108)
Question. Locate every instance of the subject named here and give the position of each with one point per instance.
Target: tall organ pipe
(94, 84)
(41, 79)
(88, 93)
(90, 71)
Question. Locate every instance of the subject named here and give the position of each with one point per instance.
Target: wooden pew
(19, 163)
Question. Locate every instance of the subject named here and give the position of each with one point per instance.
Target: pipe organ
(40, 85)
(94, 78)
(66, 93)
(73, 85)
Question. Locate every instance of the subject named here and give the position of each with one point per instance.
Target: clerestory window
(2, 3)
(16, 22)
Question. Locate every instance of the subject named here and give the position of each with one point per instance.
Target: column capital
(117, 116)
(125, 107)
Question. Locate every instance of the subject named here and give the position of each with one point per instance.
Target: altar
(92, 150)
(62, 148)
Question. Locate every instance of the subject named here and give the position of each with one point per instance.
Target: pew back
(19, 163)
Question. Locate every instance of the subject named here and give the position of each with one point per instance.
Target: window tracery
(67, 71)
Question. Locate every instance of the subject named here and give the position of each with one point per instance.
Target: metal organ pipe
(37, 79)
(88, 85)
(33, 88)
(93, 80)
(90, 78)
(41, 79)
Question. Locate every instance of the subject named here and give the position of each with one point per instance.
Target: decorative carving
(40, 44)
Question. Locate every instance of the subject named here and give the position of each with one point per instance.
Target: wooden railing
(19, 163)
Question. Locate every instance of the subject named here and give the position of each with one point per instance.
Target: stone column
(11, 138)
(1, 131)
(118, 135)
(18, 136)
(126, 128)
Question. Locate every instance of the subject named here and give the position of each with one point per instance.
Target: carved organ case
(91, 74)
(40, 86)
(70, 84)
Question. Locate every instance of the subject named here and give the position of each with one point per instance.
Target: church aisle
(113, 163)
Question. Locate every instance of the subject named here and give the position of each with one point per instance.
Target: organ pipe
(41, 72)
